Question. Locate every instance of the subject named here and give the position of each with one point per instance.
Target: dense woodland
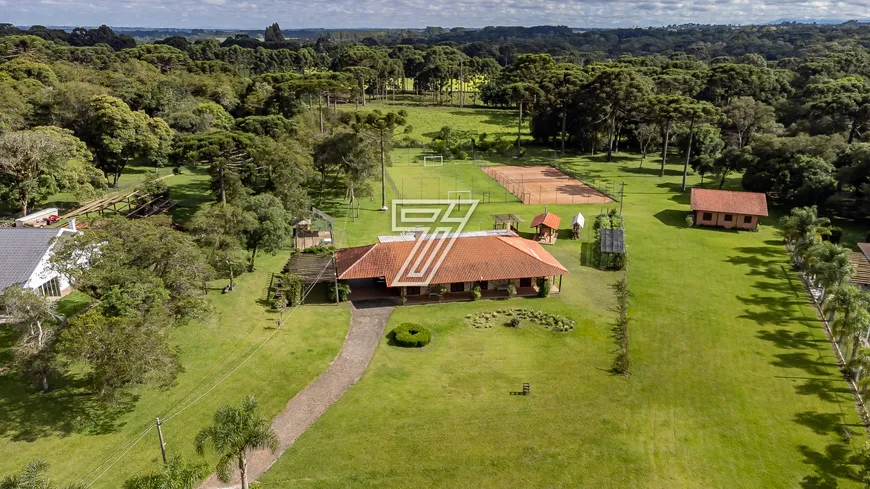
(786, 108)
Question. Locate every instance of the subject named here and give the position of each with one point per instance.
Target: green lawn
(733, 385)
(75, 435)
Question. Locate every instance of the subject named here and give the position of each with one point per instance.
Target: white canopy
(579, 219)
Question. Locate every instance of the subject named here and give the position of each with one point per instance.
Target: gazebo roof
(506, 218)
(612, 241)
(547, 219)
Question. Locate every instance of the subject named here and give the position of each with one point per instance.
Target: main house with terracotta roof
(397, 266)
(727, 208)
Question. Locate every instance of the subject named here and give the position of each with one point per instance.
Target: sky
(294, 14)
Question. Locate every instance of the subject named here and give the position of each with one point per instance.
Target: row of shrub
(514, 318)
(622, 362)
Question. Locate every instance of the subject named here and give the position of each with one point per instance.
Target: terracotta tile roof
(547, 219)
(861, 264)
(470, 259)
(747, 203)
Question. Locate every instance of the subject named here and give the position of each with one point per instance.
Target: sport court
(544, 185)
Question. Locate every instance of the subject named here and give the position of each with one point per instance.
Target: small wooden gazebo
(547, 227)
(506, 221)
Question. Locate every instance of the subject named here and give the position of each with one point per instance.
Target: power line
(216, 385)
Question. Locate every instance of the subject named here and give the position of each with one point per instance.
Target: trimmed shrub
(411, 335)
(543, 287)
(343, 292)
(476, 293)
(511, 290)
(514, 322)
(690, 220)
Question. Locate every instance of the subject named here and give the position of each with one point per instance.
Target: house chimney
(72, 224)
(418, 231)
(546, 209)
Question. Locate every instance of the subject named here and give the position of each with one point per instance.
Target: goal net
(433, 161)
(460, 196)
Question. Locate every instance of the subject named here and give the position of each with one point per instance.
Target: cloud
(421, 13)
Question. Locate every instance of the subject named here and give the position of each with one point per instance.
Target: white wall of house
(43, 273)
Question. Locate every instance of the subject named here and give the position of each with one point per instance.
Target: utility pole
(160, 436)
(621, 197)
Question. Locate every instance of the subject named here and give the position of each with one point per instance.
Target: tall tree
(273, 225)
(120, 352)
(225, 153)
(664, 109)
(117, 255)
(619, 92)
(37, 163)
(236, 431)
(846, 99)
(802, 229)
(521, 94)
(220, 231)
(273, 34)
(39, 323)
(378, 127)
(746, 116)
(116, 135)
(694, 113)
(849, 306)
(828, 266)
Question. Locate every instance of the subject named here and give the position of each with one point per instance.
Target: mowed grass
(81, 441)
(427, 121)
(733, 382)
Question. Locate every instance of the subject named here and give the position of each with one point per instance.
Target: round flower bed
(411, 335)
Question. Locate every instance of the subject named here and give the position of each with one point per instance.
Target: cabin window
(50, 288)
(729, 218)
(457, 287)
(412, 290)
(484, 285)
(708, 216)
(525, 282)
(747, 219)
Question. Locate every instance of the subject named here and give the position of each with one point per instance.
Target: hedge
(412, 335)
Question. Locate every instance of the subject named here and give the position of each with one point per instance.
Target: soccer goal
(459, 196)
(433, 161)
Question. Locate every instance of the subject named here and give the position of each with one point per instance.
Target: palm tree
(850, 304)
(802, 229)
(828, 265)
(175, 475)
(859, 365)
(237, 430)
(32, 477)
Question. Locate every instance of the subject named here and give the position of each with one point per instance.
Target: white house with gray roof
(24, 260)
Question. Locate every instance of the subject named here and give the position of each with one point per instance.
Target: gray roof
(612, 241)
(21, 250)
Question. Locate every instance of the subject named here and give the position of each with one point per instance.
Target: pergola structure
(506, 221)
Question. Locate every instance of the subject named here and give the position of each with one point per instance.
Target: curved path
(366, 329)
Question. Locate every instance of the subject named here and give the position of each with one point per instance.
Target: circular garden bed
(515, 317)
(411, 335)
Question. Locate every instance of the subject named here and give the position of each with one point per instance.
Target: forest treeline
(794, 126)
